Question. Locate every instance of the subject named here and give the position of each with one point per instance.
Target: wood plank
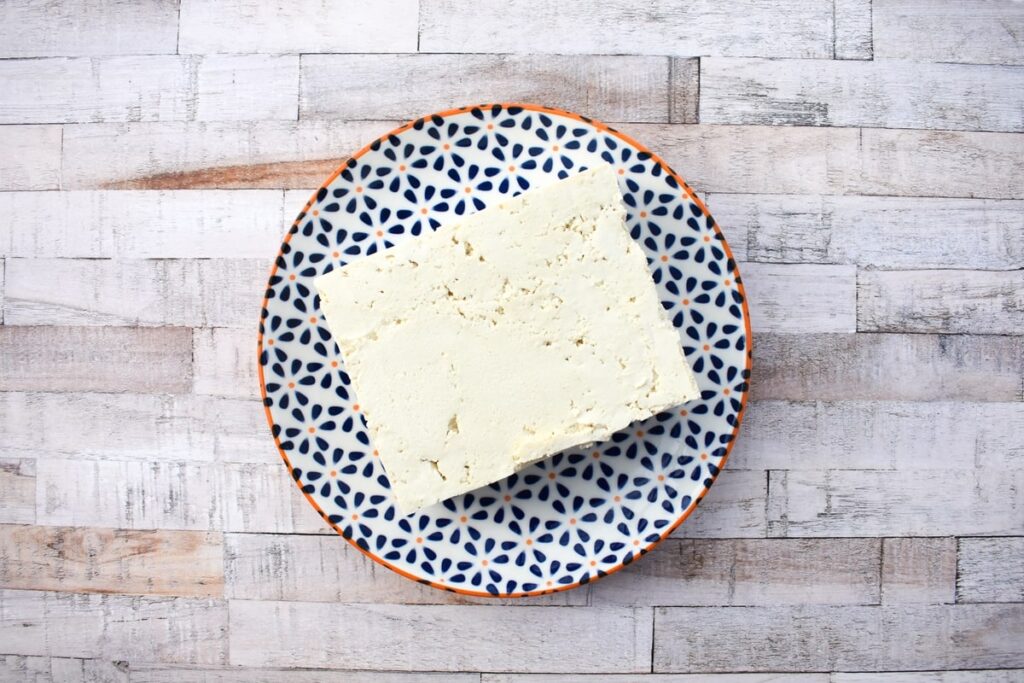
(30, 157)
(907, 436)
(162, 495)
(983, 31)
(140, 224)
(816, 160)
(853, 39)
(861, 230)
(610, 88)
(35, 669)
(887, 503)
(186, 563)
(957, 301)
(25, 669)
(328, 569)
(18, 483)
(176, 88)
(878, 94)
(113, 627)
(294, 27)
(157, 673)
(95, 359)
(152, 428)
(657, 678)
(921, 570)
(463, 637)
(746, 28)
(684, 90)
(830, 638)
(225, 363)
(797, 298)
(733, 508)
(135, 292)
(189, 155)
(990, 676)
(748, 572)
(887, 367)
(89, 28)
(990, 570)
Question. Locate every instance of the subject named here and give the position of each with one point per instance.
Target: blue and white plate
(585, 512)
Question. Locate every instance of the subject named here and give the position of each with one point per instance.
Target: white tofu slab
(505, 337)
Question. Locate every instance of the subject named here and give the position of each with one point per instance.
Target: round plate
(565, 521)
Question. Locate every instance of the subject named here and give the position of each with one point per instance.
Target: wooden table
(866, 161)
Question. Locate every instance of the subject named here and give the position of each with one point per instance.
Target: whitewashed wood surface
(865, 159)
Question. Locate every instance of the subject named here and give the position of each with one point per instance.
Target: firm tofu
(505, 337)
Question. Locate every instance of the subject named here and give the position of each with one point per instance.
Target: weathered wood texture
(882, 232)
(406, 86)
(303, 26)
(174, 88)
(816, 638)
(853, 35)
(487, 637)
(89, 27)
(40, 669)
(958, 301)
(30, 157)
(157, 673)
(186, 563)
(990, 570)
(878, 94)
(95, 359)
(919, 570)
(18, 488)
(139, 224)
(113, 627)
(983, 31)
(804, 30)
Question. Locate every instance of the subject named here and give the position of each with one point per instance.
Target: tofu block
(505, 337)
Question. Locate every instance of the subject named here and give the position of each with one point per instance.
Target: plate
(581, 514)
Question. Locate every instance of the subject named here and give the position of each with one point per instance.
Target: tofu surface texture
(505, 337)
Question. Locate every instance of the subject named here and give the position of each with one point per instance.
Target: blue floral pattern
(561, 522)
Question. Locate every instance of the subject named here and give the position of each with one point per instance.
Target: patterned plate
(585, 512)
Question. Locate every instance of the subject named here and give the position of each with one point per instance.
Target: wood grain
(990, 570)
(135, 292)
(662, 27)
(748, 572)
(879, 94)
(464, 637)
(303, 26)
(161, 495)
(886, 503)
(329, 569)
(991, 676)
(657, 678)
(837, 367)
(151, 428)
(862, 230)
(186, 563)
(817, 638)
(958, 301)
(684, 90)
(156, 673)
(138, 224)
(984, 32)
(225, 363)
(113, 627)
(799, 298)
(901, 435)
(18, 484)
(733, 508)
(30, 157)
(187, 155)
(38, 669)
(918, 570)
(407, 86)
(95, 359)
(853, 35)
(814, 160)
(91, 27)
